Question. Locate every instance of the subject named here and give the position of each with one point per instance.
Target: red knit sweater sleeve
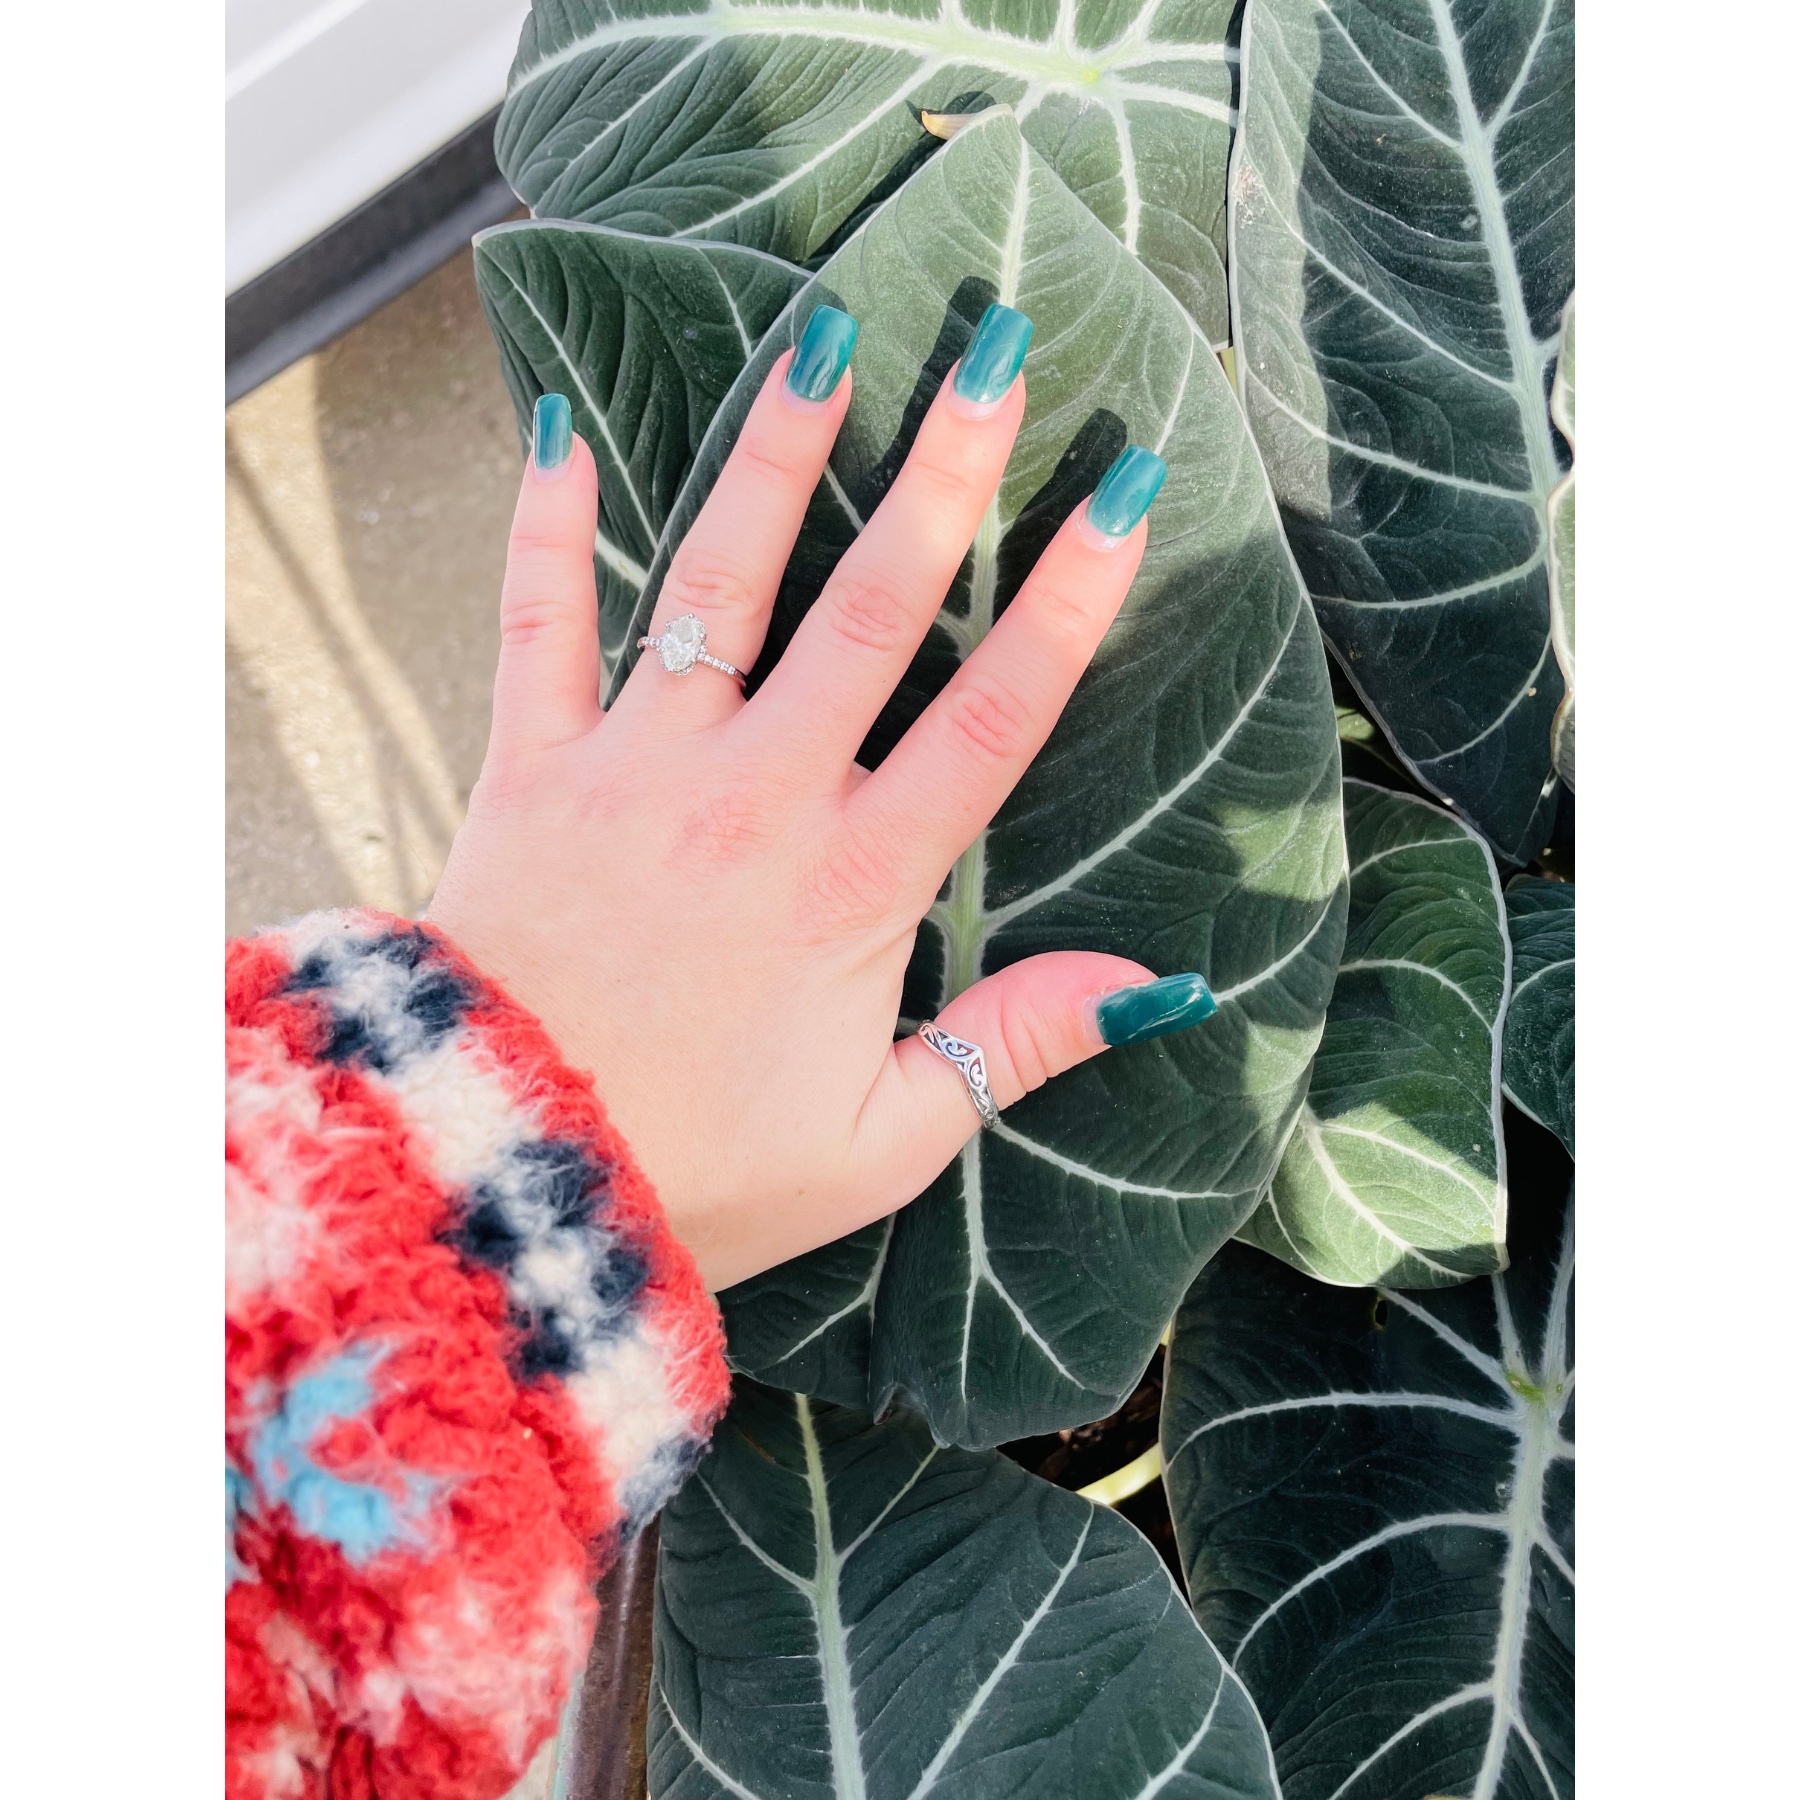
(465, 1359)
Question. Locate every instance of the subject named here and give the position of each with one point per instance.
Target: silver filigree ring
(682, 643)
(970, 1063)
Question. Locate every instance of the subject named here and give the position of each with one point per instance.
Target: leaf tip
(945, 125)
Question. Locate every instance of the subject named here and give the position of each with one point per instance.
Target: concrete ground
(368, 493)
(369, 490)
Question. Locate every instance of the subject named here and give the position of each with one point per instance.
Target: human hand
(706, 901)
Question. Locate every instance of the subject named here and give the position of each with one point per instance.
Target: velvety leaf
(1539, 1049)
(775, 125)
(844, 1609)
(807, 1323)
(1185, 812)
(1394, 1171)
(1562, 554)
(1373, 1492)
(1402, 232)
(645, 337)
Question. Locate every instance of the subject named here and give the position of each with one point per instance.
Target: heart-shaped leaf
(645, 337)
(1373, 1493)
(776, 125)
(1185, 812)
(1539, 1048)
(1394, 1172)
(1562, 554)
(844, 1609)
(1402, 242)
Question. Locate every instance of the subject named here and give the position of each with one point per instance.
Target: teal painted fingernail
(994, 357)
(1126, 490)
(552, 434)
(822, 355)
(1154, 1008)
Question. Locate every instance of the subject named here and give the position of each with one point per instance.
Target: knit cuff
(465, 1358)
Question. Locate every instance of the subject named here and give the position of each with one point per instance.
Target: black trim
(363, 261)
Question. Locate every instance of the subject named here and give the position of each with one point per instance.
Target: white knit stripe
(469, 1127)
(461, 1109)
(624, 1394)
(320, 930)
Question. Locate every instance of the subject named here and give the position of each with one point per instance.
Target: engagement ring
(682, 643)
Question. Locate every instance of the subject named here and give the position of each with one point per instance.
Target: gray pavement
(369, 489)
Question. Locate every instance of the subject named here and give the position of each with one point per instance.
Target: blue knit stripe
(393, 996)
(363, 1520)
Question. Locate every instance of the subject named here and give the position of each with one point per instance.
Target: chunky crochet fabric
(465, 1359)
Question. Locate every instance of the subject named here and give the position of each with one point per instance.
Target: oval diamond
(682, 640)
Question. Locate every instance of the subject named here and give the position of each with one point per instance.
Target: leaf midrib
(1534, 1424)
(1523, 350)
(834, 1645)
(1057, 60)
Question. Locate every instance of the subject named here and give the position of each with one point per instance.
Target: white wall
(327, 101)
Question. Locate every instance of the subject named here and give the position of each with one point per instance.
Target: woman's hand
(706, 901)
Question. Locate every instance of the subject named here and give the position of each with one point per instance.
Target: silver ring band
(682, 643)
(970, 1063)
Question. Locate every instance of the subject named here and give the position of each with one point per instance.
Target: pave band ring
(682, 643)
(969, 1062)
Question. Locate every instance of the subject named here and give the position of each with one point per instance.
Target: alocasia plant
(857, 1595)
(775, 125)
(1402, 228)
(1197, 762)
(1399, 1593)
(1395, 1170)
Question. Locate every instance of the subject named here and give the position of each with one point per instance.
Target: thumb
(1031, 1021)
(547, 687)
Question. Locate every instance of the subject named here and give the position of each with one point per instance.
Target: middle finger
(854, 644)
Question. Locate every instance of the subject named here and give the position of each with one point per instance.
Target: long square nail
(1154, 1008)
(994, 357)
(1126, 490)
(822, 355)
(552, 434)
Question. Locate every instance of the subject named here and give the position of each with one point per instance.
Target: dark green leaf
(1373, 1493)
(1185, 812)
(1402, 220)
(1562, 554)
(775, 125)
(1394, 1171)
(807, 1323)
(645, 337)
(1539, 1065)
(846, 1610)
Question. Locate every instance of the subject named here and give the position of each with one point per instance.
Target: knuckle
(731, 826)
(1063, 615)
(1027, 1043)
(533, 545)
(526, 617)
(705, 582)
(988, 720)
(852, 887)
(946, 483)
(869, 614)
(764, 457)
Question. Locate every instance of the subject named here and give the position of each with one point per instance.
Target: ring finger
(948, 776)
(729, 564)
